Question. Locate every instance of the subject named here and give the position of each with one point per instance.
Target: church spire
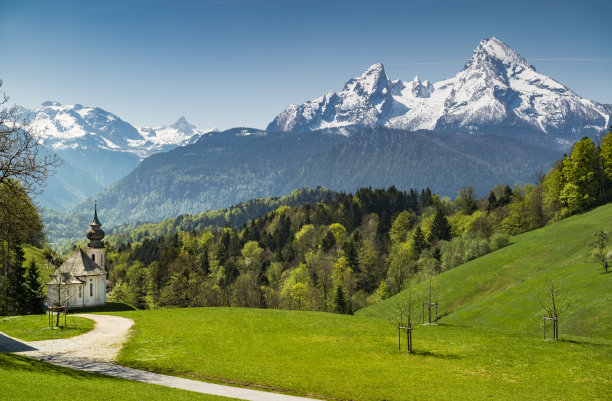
(95, 221)
(95, 233)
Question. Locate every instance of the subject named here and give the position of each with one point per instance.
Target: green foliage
(498, 291)
(600, 246)
(340, 303)
(294, 257)
(35, 297)
(440, 228)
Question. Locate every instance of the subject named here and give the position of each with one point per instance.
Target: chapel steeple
(95, 247)
(95, 233)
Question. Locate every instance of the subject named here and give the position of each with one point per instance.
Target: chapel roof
(79, 264)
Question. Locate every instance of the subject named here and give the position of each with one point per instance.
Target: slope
(500, 290)
(381, 157)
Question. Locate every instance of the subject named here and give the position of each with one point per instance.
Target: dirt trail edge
(96, 350)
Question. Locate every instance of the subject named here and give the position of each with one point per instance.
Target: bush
(499, 240)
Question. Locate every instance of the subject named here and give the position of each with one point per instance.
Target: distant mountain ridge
(225, 168)
(64, 127)
(496, 92)
(98, 147)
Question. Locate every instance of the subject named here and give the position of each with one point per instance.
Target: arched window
(93, 257)
(90, 287)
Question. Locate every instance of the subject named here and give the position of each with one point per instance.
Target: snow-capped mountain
(100, 145)
(76, 126)
(365, 101)
(497, 91)
(163, 138)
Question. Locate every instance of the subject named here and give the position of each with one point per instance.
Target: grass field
(488, 344)
(36, 327)
(25, 379)
(356, 357)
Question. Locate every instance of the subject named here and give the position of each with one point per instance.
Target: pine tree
(352, 257)
(18, 292)
(420, 243)
(35, 295)
(328, 241)
(340, 304)
(440, 228)
(492, 204)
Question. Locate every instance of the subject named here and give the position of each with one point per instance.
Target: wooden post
(399, 338)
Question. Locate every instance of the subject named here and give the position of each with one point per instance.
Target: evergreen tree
(492, 204)
(425, 200)
(351, 255)
(17, 280)
(328, 241)
(420, 244)
(440, 228)
(35, 294)
(340, 303)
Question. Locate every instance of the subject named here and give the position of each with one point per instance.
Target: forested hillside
(344, 253)
(229, 167)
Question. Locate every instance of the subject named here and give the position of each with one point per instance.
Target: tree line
(350, 250)
(24, 167)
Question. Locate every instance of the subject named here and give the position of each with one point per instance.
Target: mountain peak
(497, 91)
(49, 103)
(183, 125)
(495, 50)
(372, 80)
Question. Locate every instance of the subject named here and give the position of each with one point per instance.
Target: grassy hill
(500, 290)
(488, 345)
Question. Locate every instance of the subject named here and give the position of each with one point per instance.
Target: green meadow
(488, 343)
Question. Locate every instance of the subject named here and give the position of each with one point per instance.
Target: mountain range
(97, 147)
(497, 121)
(496, 92)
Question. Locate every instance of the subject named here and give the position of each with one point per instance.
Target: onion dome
(95, 233)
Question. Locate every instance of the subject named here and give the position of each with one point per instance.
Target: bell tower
(95, 247)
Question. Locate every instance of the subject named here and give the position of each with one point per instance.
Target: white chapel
(80, 282)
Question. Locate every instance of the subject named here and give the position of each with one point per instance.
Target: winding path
(96, 350)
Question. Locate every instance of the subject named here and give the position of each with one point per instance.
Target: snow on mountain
(63, 127)
(363, 102)
(497, 91)
(98, 147)
(163, 138)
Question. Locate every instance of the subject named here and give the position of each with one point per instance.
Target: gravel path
(95, 351)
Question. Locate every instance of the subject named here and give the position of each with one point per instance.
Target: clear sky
(227, 63)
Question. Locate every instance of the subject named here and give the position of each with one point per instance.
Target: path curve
(101, 344)
(96, 350)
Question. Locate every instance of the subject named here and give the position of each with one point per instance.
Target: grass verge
(27, 379)
(36, 327)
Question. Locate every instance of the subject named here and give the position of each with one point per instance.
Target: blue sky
(241, 62)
